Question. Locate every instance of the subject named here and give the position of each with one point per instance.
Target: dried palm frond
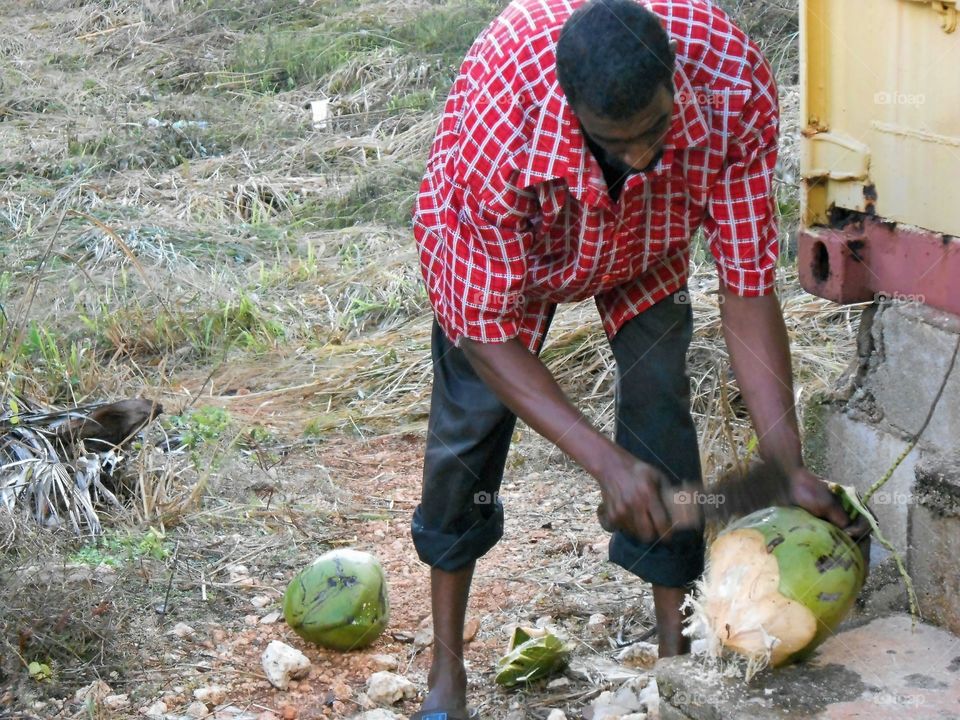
(46, 470)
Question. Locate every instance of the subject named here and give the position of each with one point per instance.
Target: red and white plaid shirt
(513, 214)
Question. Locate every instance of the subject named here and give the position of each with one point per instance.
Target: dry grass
(172, 225)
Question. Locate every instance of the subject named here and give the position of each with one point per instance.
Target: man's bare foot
(448, 690)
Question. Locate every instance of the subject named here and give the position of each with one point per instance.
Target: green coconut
(778, 583)
(339, 601)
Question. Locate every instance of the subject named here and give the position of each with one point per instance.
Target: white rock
(282, 663)
(116, 702)
(196, 709)
(260, 601)
(181, 630)
(386, 688)
(424, 635)
(597, 624)
(270, 618)
(98, 689)
(650, 698)
(239, 574)
(640, 655)
(232, 712)
(210, 694)
(157, 710)
(556, 683)
(556, 714)
(607, 707)
(383, 662)
(378, 714)
(628, 695)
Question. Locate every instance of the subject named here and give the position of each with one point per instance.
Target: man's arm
(756, 338)
(630, 488)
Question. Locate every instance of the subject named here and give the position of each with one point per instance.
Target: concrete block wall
(857, 433)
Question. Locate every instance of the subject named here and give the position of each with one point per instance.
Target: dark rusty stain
(855, 246)
(774, 542)
(870, 199)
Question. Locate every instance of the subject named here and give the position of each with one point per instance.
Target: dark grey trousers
(460, 516)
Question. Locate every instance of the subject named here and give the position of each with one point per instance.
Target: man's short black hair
(612, 56)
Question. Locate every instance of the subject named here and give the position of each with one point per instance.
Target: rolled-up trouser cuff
(451, 551)
(676, 563)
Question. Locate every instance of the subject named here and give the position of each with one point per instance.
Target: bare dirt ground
(172, 225)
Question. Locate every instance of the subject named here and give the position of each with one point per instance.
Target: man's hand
(812, 494)
(638, 500)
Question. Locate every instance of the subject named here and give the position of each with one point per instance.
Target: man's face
(636, 143)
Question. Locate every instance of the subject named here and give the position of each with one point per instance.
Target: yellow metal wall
(881, 110)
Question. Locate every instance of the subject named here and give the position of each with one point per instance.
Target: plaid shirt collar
(567, 157)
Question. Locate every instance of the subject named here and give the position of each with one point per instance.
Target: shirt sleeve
(476, 266)
(741, 221)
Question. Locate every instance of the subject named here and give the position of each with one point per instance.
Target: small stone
(116, 702)
(650, 698)
(182, 631)
(232, 712)
(424, 634)
(251, 619)
(196, 709)
(98, 690)
(270, 618)
(378, 714)
(628, 694)
(386, 688)
(281, 663)
(597, 624)
(557, 683)
(260, 601)
(606, 707)
(470, 629)
(157, 710)
(239, 574)
(267, 715)
(383, 662)
(288, 712)
(639, 655)
(341, 690)
(210, 694)
(557, 714)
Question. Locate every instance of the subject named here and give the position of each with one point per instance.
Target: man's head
(615, 64)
